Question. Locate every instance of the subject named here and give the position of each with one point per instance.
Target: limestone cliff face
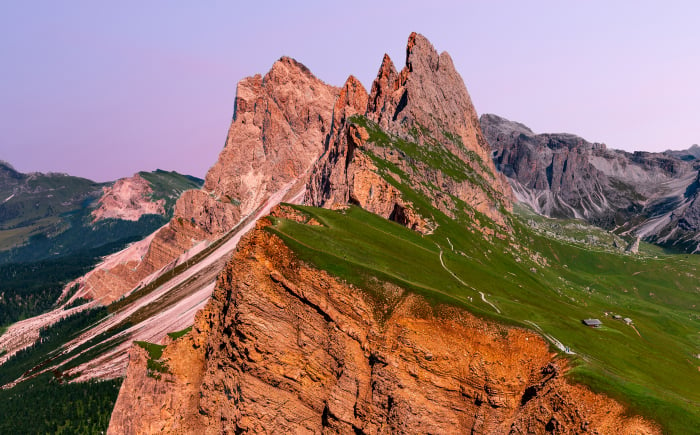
(278, 131)
(428, 92)
(425, 104)
(554, 163)
(285, 348)
(280, 124)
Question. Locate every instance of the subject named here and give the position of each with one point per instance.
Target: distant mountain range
(56, 227)
(650, 195)
(692, 153)
(51, 215)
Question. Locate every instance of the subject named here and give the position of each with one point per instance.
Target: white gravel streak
(559, 345)
(26, 332)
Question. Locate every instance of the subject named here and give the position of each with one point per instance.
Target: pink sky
(104, 90)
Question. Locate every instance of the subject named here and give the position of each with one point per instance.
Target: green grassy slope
(530, 279)
(27, 199)
(655, 373)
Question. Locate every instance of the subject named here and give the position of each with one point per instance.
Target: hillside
(32, 204)
(51, 215)
(49, 234)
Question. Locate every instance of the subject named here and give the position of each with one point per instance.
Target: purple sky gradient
(105, 89)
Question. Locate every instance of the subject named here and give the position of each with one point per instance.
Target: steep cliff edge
(278, 130)
(336, 319)
(418, 126)
(284, 347)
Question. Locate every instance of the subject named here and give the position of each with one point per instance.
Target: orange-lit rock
(282, 347)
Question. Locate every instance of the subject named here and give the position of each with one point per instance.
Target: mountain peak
(691, 153)
(353, 94)
(289, 64)
(7, 165)
(428, 93)
(380, 94)
(503, 125)
(420, 52)
(353, 99)
(427, 106)
(278, 130)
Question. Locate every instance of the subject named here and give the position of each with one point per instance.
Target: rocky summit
(278, 129)
(426, 110)
(128, 199)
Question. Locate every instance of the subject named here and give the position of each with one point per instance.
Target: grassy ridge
(170, 185)
(529, 277)
(654, 373)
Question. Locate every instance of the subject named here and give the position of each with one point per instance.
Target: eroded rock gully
(285, 348)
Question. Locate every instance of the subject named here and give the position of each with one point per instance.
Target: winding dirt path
(559, 345)
(483, 297)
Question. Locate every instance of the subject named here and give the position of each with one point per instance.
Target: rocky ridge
(181, 259)
(426, 109)
(284, 347)
(692, 153)
(650, 195)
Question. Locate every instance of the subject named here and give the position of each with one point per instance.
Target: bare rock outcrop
(279, 126)
(286, 348)
(425, 106)
(127, 199)
(649, 195)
